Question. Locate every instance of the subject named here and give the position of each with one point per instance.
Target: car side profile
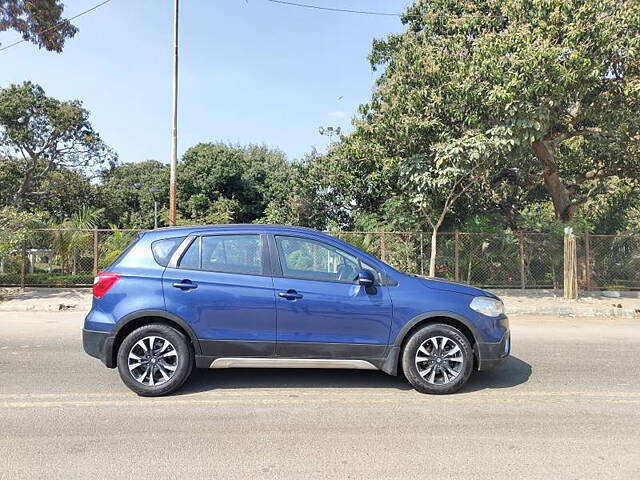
(260, 296)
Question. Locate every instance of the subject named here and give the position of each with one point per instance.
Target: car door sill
(234, 362)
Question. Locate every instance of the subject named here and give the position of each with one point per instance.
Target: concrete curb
(571, 312)
(45, 308)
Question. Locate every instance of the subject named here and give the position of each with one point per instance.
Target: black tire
(421, 383)
(184, 362)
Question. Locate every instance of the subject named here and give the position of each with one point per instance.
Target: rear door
(221, 285)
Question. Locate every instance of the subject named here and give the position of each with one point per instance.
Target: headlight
(487, 306)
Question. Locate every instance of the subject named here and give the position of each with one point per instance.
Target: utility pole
(174, 120)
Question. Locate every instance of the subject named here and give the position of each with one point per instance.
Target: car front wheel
(155, 360)
(437, 359)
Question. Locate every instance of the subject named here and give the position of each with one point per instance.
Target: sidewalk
(45, 299)
(548, 302)
(530, 302)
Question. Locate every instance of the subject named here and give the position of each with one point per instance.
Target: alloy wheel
(153, 360)
(439, 360)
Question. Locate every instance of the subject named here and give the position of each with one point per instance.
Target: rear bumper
(491, 355)
(99, 345)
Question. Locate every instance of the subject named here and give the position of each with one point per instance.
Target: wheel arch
(391, 364)
(134, 320)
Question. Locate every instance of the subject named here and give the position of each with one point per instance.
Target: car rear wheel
(437, 359)
(155, 360)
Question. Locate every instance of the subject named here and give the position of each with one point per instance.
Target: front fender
(390, 364)
(435, 314)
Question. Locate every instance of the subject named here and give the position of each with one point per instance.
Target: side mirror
(366, 278)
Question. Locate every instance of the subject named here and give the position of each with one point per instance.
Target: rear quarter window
(163, 249)
(121, 255)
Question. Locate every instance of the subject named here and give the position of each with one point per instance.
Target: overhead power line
(331, 9)
(57, 24)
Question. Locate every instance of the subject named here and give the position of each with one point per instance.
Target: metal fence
(62, 257)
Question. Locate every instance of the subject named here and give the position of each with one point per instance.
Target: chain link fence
(610, 261)
(63, 257)
(59, 257)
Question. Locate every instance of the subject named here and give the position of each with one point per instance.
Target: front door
(222, 288)
(322, 311)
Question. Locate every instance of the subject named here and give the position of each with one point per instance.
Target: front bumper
(99, 345)
(491, 355)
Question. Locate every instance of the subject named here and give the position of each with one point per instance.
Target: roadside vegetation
(487, 117)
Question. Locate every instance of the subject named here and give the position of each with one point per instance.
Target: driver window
(311, 260)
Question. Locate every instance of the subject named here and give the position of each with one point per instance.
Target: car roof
(187, 230)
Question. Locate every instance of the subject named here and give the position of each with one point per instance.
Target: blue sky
(250, 71)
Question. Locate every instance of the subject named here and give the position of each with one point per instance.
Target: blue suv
(254, 296)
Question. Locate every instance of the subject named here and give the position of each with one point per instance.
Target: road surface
(566, 405)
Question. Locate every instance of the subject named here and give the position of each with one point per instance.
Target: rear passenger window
(225, 253)
(163, 249)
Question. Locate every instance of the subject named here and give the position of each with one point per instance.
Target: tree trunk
(434, 250)
(560, 196)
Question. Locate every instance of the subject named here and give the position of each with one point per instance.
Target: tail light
(103, 282)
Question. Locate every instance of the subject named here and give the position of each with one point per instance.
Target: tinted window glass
(308, 259)
(232, 253)
(191, 258)
(163, 249)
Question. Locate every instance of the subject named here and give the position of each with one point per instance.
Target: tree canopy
(492, 114)
(558, 81)
(38, 22)
(124, 192)
(219, 183)
(42, 135)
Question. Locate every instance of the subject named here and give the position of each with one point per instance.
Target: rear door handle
(185, 285)
(290, 295)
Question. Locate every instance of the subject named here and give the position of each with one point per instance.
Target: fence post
(570, 265)
(457, 255)
(587, 262)
(23, 265)
(95, 251)
(421, 253)
(382, 249)
(523, 281)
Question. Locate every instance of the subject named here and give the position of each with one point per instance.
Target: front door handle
(185, 285)
(290, 295)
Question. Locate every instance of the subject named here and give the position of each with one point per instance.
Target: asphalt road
(566, 405)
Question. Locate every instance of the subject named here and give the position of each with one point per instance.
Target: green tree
(436, 181)
(16, 226)
(615, 210)
(557, 80)
(74, 237)
(218, 181)
(61, 192)
(64, 192)
(308, 194)
(125, 193)
(43, 135)
(38, 22)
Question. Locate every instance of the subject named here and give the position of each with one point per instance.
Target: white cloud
(337, 114)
